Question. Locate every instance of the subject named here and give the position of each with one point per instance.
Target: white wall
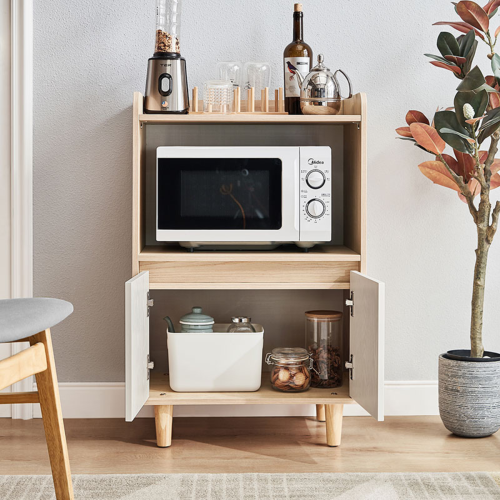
(89, 58)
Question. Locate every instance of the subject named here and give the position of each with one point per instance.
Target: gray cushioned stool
(30, 320)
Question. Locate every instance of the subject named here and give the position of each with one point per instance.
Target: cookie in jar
(290, 369)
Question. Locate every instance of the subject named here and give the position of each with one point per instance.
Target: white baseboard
(107, 400)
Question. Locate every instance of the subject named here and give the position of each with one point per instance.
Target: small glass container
(291, 369)
(324, 344)
(230, 70)
(217, 96)
(241, 324)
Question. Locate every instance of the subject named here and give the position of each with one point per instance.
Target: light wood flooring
(215, 445)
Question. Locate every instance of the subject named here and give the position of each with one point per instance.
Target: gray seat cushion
(20, 318)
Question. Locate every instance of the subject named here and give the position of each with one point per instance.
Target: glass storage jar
(324, 343)
(241, 324)
(291, 369)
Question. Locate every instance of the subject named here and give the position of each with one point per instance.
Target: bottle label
(293, 82)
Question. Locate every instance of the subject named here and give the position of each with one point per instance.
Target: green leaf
(490, 124)
(472, 81)
(495, 65)
(493, 13)
(450, 130)
(478, 101)
(466, 42)
(440, 59)
(447, 44)
(470, 57)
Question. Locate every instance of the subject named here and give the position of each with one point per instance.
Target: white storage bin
(216, 362)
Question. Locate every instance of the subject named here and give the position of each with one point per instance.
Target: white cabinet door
(136, 344)
(367, 331)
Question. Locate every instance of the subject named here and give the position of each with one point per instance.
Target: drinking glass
(257, 75)
(230, 70)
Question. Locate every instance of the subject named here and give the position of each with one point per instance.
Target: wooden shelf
(317, 254)
(160, 119)
(160, 393)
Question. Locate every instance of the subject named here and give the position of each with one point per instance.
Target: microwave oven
(243, 196)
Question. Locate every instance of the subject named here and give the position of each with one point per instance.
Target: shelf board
(160, 393)
(233, 118)
(316, 254)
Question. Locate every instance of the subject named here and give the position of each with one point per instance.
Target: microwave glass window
(219, 193)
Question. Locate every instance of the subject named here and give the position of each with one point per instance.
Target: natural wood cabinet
(337, 266)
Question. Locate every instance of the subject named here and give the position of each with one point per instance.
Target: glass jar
(168, 27)
(291, 369)
(241, 324)
(324, 343)
(217, 96)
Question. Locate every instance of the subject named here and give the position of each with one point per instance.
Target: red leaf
(466, 164)
(462, 27)
(494, 100)
(404, 131)
(497, 32)
(427, 137)
(416, 117)
(456, 59)
(474, 120)
(452, 163)
(437, 173)
(490, 80)
(474, 15)
(495, 181)
(440, 64)
(491, 6)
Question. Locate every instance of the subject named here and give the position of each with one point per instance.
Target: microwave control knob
(315, 179)
(315, 208)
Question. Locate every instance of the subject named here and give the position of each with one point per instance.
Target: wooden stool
(30, 320)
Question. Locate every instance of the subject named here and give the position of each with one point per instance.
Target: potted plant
(469, 380)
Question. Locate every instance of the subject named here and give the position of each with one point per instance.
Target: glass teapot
(320, 91)
(195, 321)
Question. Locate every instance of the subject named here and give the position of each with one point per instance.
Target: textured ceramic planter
(469, 396)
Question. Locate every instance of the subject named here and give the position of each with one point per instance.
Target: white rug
(456, 486)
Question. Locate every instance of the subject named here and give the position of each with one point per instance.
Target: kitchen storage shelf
(165, 267)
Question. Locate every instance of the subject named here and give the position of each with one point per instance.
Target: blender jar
(168, 26)
(324, 343)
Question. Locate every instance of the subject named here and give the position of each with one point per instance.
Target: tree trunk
(476, 330)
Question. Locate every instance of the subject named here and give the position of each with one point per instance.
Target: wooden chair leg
(320, 413)
(50, 405)
(334, 414)
(164, 415)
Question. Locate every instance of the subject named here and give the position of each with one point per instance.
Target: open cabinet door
(367, 331)
(136, 344)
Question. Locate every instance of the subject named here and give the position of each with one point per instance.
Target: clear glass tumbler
(230, 70)
(258, 76)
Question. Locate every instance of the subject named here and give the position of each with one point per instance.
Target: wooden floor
(400, 444)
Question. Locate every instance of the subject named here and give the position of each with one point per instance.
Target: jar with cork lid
(324, 343)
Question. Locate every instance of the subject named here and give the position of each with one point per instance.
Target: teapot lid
(320, 82)
(195, 317)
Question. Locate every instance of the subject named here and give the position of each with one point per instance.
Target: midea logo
(312, 161)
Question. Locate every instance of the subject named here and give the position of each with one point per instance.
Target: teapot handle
(170, 327)
(348, 81)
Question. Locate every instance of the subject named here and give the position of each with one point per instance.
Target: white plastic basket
(215, 362)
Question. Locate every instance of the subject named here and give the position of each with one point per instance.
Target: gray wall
(89, 58)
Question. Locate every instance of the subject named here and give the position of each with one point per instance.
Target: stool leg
(164, 415)
(50, 405)
(334, 414)
(320, 413)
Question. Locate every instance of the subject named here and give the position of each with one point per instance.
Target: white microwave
(241, 196)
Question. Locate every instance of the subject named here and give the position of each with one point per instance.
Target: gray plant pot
(469, 396)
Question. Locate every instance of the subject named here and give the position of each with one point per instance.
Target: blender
(166, 83)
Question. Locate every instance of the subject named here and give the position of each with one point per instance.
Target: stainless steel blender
(166, 83)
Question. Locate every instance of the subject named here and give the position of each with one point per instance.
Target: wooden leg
(320, 413)
(334, 424)
(164, 415)
(50, 405)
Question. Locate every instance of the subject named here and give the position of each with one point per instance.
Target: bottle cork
(297, 7)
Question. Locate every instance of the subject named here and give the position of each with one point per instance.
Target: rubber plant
(466, 127)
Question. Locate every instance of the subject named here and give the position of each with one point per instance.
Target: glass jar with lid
(324, 344)
(291, 369)
(241, 324)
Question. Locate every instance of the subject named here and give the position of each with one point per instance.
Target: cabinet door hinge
(350, 366)
(350, 303)
(149, 365)
(151, 302)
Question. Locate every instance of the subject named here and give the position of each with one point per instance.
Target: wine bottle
(297, 59)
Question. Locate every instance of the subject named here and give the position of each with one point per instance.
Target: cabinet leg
(334, 415)
(163, 421)
(320, 413)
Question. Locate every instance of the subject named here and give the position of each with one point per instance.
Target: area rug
(456, 486)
